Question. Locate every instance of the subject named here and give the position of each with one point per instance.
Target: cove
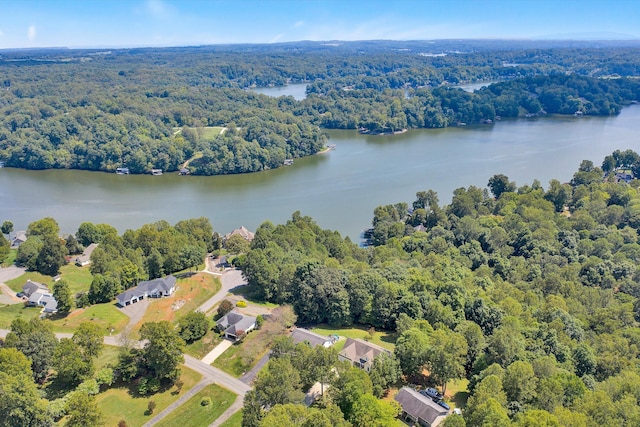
(338, 189)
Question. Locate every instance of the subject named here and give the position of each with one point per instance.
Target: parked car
(20, 294)
(432, 393)
(443, 404)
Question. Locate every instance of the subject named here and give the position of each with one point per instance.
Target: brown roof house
(420, 410)
(361, 353)
(242, 231)
(235, 325)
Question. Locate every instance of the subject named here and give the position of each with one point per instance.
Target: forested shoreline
(148, 108)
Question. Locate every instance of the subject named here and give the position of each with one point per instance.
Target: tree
(21, 404)
(155, 264)
(411, 350)
(72, 245)
(162, 354)
(224, 307)
(499, 184)
(385, 373)
(72, 367)
(191, 256)
(82, 411)
(7, 227)
(88, 336)
(63, 297)
(237, 244)
(44, 227)
(348, 385)
(193, 326)
(103, 288)
(37, 341)
(520, 382)
(370, 412)
(446, 356)
(51, 256)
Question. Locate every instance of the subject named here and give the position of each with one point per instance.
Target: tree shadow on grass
(460, 399)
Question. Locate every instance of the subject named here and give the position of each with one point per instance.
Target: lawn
(107, 316)
(249, 292)
(108, 357)
(202, 347)
(118, 403)
(457, 392)
(78, 278)
(383, 339)
(190, 293)
(205, 132)
(10, 312)
(240, 357)
(193, 414)
(234, 421)
(10, 259)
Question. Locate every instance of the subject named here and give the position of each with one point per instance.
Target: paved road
(229, 279)
(10, 272)
(7, 296)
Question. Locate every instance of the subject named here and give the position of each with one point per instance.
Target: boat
(1, 164)
(122, 171)
(156, 172)
(331, 146)
(288, 162)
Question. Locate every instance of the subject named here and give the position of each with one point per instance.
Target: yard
(382, 338)
(107, 316)
(78, 278)
(234, 421)
(194, 414)
(190, 293)
(10, 259)
(121, 403)
(10, 312)
(203, 346)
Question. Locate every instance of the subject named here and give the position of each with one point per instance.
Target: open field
(123, 403)
(107, 316)
(78, 278)
(205, 132)
(193, 414)
(13, 311)
(190, 293)
(240, 357)
(383, 339)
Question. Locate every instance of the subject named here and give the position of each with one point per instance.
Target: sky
(134, 23)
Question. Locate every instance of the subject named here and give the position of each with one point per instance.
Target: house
(242, 231)
(419, 409)
(31, 287)
(299, 335)
(361, 353)
(233, 324)
(623, 176)
(85, 258)
(19, 238)
(156, 288)
(44, 299)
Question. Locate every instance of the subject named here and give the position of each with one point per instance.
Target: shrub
(241, 304)
(151, 407)
(224, 307)
(206, 401)
(122, 423)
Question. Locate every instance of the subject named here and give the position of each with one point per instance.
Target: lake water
(298, 91)
(338, 189)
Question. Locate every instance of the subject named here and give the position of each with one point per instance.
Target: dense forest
(150, 108)
(529, 293)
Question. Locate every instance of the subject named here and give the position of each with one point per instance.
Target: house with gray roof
(420, 410)
(30, 287)
(156, 288)
(299, 335)
(44, 299)
(19, 238)
(361, 353)
(234, 324)
(242, 232)
(85, 258)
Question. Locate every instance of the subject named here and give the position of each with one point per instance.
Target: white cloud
(157, 8)
(276, 39)
(31, 33)
(298, 24)
(1, 33)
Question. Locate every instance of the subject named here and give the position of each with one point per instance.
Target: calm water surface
(338, 189)
(298, 91)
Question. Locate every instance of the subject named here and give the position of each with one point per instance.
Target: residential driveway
(230, 279)
(7, 296)
(217, 351)
(136, 311)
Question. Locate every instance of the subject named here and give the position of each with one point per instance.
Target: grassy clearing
(122, 403)
(383, 339)
(249, 293)
(10, 312)
(107, 316)
(78, 278)
(193, 414)
(10, 259)
(458, 392)
(203, 346)
(205, 132)
(234, 421)
(231, 361)
(190, 293)
(108, 357)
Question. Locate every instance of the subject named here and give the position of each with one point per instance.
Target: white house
(156, 288)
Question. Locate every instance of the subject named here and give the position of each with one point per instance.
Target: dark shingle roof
(419, 406)
(303, 335)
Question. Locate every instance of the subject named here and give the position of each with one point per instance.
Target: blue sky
(123, 23)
